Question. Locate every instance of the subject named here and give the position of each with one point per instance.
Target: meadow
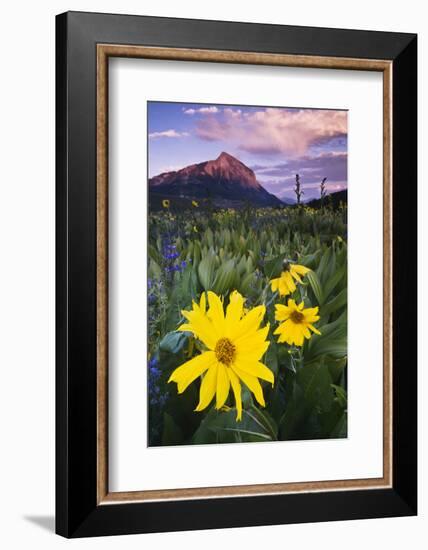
(210, 267)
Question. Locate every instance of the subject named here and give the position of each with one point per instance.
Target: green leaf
(154, 254)
(337, 347)
(272, 357)
(254, 426)
(334, 280)
(173, 342)
(241, 431)
(339, 301)
(204, 434)
(315, 283)
(155, 271)
(336, 367)
(341, 396)
(206, 271)
(240, 268)
(246, 284)
(197, 253)
(225, 277)
(310, 260)
(341, 428)
(273, 268)
(315, 380)
(264, 420)
(172, 434)
(323, 265)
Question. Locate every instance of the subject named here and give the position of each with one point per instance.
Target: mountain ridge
(225, 181)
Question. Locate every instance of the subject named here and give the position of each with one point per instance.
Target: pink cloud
(273, 130)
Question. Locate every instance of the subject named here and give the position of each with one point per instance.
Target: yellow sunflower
(165, 203)
(195, 204)
(297, 322)
(234, 343)
(285, 282)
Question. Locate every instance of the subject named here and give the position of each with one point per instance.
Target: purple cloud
(333, 166)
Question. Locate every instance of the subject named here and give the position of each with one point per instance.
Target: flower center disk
(297, 317)
(225, 351)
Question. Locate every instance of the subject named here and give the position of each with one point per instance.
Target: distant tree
(297, 190)
(323, 190)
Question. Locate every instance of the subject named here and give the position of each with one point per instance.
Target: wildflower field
(247, 324)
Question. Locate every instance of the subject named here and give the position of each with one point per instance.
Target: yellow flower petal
(223, 385)
(215, 312)
(203, 302)
(301, 269)
(253, 340)
(250, 322)
(208, 388)
(298, 337)
(314, 329)
(201, 326)
(306, 333)
(189, 371)
(295, 275)
(234, 309)
(283, 287)
(274, 284)
(258, 370)
(282, 313)
(236, 387)
(254, 352)
(290, 283)
(252, 384)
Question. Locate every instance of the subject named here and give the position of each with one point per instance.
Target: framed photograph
(236, 274)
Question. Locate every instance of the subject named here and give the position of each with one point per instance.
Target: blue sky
(275, 142)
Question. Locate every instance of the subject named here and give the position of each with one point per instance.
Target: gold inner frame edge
(104, 52)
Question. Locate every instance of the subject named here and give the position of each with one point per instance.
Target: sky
(275, 142)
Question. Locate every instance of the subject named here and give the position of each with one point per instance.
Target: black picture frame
(77, 511)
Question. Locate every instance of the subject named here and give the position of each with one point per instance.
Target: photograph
(247, 273)
(212, 276)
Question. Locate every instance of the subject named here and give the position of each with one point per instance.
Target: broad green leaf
(334, 280)
(312, 277)
(336, 303)
(336, 347)
(225, 278)
(204, 434)
(173, 342)
(322, 268)
(242, 431)
(154, 254)
(273, 268)
(155, 272)
(341, 396)
(206, 271)
(264, 420)
(172, 434)
(245, 286)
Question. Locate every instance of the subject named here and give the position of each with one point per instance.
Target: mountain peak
(225, 159)
(224, 179)
(226, 156)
